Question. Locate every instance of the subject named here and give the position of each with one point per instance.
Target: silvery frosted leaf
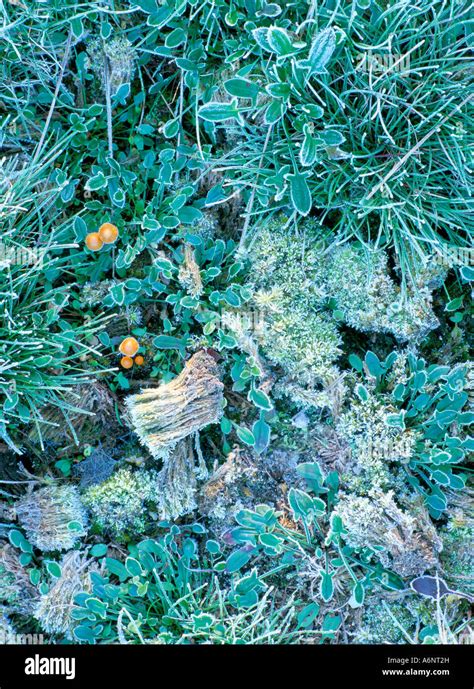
(97, 468)
(322, 48)
(433, 587)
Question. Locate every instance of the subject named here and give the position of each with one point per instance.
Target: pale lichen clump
(130, 500)
(405, 542)
(370, 300)
(53, 610)
(287, 259)
(53, 517)
(241, 482)
(165, 415)
(300, 286)
(297, 334)
(303, 343)
(330, 396)
(221, 496)
(174, 491)
(119, 505)
(374, 445)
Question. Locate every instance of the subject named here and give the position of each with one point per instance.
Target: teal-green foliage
(168, 591)
(47, 346)
(429, 404)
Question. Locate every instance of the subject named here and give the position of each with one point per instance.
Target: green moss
(369, 298)
(118, 505)
(297, 333)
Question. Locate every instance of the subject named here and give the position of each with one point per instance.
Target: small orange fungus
(94, 242)
(129, 346)
(108, 233)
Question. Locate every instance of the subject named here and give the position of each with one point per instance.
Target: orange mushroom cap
(126, 362)
(139, 360)
(94, 242)
(129, 346)
(108, 233)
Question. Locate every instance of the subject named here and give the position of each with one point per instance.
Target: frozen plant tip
(54, 608)
(162, 416)
(177, 482)
(53, 517)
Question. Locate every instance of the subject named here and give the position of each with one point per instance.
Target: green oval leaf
(299, 192)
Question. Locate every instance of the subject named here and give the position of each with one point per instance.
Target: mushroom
(108, 233)
(94, 242)
(129, 346)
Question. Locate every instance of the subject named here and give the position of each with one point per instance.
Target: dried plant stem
(108, 102)
(62, 69)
